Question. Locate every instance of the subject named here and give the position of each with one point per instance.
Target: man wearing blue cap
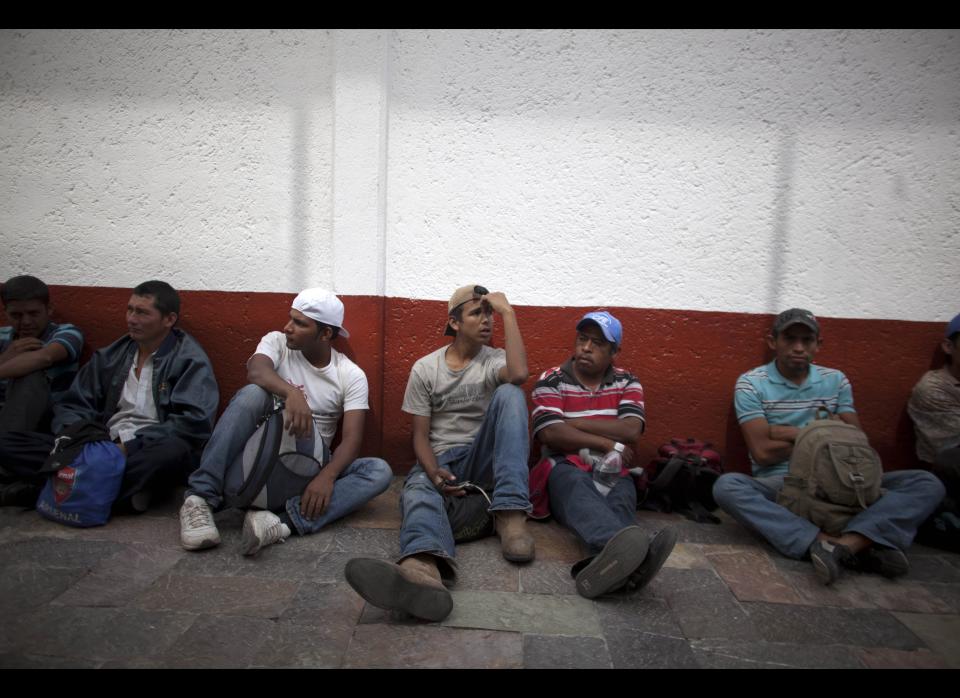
(318, 385)
(773, 403)
(586, 411)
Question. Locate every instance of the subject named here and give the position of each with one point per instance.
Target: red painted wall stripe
(687, 360)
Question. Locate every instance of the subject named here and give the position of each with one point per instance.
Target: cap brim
(603, 330)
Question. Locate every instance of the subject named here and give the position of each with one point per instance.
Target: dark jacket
(184, 390)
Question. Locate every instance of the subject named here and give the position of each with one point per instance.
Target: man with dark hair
(934, 404)
(317, 385)
(585, 411)
(934, 407)
(38, 357)
(773, 403)
(469, 425)
(165, 297)
(155, 392)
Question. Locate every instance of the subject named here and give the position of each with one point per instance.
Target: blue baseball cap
(609, 325)
(953, 326)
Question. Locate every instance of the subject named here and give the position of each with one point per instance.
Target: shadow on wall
(687, 361)
(779, 240)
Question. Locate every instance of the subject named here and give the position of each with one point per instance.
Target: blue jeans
(220, 465)
(497, 458)
(892, 521)
(576, 504)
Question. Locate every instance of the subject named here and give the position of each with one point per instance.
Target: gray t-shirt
(455, 401)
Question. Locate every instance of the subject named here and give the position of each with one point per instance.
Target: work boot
(516, 543)
(413, 586)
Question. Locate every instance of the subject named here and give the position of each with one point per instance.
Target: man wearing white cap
(318, 385)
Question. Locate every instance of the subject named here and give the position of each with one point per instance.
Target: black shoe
(661, 545)
(19, 494)
(889, 562)
(611, 569)
(827, 558)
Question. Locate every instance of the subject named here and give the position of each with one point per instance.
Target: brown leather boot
(413, 586)
(516, 543)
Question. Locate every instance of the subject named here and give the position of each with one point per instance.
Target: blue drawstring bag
(82, 493)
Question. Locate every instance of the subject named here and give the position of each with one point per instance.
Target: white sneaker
(260, 529)
(197, 529)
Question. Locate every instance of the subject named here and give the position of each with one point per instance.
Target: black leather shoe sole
(609, 570)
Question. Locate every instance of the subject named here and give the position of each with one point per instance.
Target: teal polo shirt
(763, 392)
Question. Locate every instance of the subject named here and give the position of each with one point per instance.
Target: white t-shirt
(338, 387)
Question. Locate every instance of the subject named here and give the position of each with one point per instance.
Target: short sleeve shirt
(934, 408)
(558, 395)
(338, 387)
(764, 392)
(455, 401)
(62, 374)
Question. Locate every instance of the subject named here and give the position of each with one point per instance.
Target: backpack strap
(263, 464)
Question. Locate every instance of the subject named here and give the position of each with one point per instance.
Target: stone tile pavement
(127, 596)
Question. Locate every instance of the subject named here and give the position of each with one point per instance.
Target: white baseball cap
(321, 305)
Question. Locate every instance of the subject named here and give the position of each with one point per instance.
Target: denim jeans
(220, 465)
(892, 521)
(497, 458)
(576, 504)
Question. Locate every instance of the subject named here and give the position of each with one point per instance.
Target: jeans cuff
(446, 564)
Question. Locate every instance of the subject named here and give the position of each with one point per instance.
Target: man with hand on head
(469, 424)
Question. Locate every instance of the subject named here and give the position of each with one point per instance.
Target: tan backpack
(834, 475)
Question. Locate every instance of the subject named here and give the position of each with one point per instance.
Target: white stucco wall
(199, 157)
(740, 171)
(722, 170)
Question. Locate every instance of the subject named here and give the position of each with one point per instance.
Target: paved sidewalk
(127, 595)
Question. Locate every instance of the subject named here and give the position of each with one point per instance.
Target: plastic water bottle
(606, 470)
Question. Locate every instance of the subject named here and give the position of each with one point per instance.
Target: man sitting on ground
(773, 402)
(38, 357)
(934, 408)
(153, 389)
(318, 385)
(469, 424)
(587, 403)
(934, 404)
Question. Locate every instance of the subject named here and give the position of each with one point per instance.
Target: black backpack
(681, 480)
(468, 515)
